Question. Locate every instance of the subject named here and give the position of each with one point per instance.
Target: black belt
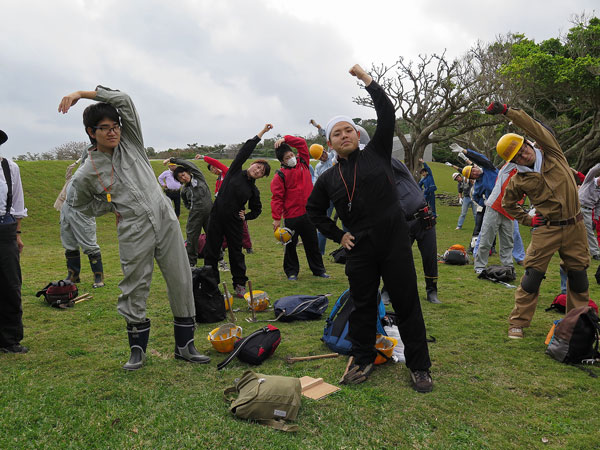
(571, 221)
(172, 191)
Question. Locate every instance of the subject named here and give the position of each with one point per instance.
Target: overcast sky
(215, 71)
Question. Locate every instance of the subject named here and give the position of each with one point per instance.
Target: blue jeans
(518, 249)
(467, 203)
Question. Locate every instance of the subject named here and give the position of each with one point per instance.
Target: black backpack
(60, 294)
(575, 337)
(300, 307)
(209, 301)
(456, 255)
(256, 347)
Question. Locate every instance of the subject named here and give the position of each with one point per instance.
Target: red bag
(60, 294)
(560, 304)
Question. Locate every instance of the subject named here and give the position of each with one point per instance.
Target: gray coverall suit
(77, 229)
(196, 197)
(148, 228)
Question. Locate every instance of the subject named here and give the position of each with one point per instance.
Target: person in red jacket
(291, 187)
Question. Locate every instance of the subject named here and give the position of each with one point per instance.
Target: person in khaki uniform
(544, 175)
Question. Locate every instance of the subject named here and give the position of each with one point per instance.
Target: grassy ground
(69, 391)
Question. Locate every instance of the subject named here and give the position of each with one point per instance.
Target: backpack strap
(8, 178)
(279, 425)
(233, 354)
(281, 174)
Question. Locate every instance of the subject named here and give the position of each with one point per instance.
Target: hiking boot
(515, 333)
(431, 288)
(97, 269)
(421, 380)
(223, 267)
(73, 265)
(240, 291)
(137, 334)
(357, 373)
(15, 348)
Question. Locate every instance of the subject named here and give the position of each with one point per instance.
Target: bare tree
(69, 150)
(437, 99)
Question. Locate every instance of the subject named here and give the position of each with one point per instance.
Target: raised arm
(244, 153)
(215, 163)
(187, 164)
(382, 140)
(299, 144)
(480, 160)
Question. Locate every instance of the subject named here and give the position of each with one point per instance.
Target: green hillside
(69, 391)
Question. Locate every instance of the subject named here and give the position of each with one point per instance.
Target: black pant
(427, 243)
(175, 196)
(11, 313)
(231, 228)
(385, 252)
(303, 227)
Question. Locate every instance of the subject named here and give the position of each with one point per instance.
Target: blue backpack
(335, 334)
(300, 307)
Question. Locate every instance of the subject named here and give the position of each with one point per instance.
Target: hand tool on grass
(253, 318)
(82, 297)
(230, 309)
(292, 359)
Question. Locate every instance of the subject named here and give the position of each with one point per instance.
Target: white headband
(334, 121)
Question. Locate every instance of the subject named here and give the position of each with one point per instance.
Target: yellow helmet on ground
(228, 302)
(316, 150)
(261, 300)
(508, 146)
(283, 235)
(466, 172)
(224, 337)
(385, 345)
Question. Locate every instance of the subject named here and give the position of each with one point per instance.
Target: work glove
(456, 148)
(463, 157)
(448, 163)
(496, 108)
(538, 220)
(460, 201)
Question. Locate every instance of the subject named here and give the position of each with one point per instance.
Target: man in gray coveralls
(117, 177)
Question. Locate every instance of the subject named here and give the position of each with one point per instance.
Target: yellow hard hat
(223, 338)
(283, 235)
(466, 172)
(316, 150)
(228, 302)
(385, 345)
(261, 300)
(509, 145)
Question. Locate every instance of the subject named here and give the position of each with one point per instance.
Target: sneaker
(16, 348)
(240, 291)
(323, 275)
(458, 228)
(357, 374)
(478, 271)
(223, 267)
(422, 381)
(515, 333)
(596, 257)
(293, 277)
(249, 250)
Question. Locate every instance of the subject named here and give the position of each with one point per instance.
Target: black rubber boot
(138, 334)
(431, 288)
(184, 341)
(97, 269)
(73, 265)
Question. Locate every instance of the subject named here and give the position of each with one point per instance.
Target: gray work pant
(78, 230)
(591, 232)
(494, 222)
(139, 246)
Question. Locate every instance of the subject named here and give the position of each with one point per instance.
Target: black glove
(496, 108)
(426, 217)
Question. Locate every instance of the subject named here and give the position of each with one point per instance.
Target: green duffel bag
(268, 399)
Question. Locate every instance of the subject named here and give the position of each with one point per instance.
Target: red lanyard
(350, 196)
(112, 173)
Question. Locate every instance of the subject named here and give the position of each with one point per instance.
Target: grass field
(69, 391)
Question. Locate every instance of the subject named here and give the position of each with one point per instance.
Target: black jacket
(237, 189)
(375, 199)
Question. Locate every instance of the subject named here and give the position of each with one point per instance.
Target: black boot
(184, 341)
(431, 288)
(73, 265)
(97, 269)
(138, 334)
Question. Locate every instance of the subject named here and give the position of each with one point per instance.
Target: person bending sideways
(362, 189)
(544, 175)
(117, 177)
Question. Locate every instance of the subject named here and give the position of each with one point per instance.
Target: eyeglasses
(107, 129)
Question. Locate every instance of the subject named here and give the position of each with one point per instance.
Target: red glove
(538, 220)
(496, 108)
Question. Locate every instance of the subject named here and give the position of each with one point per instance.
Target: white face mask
(291, 162)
